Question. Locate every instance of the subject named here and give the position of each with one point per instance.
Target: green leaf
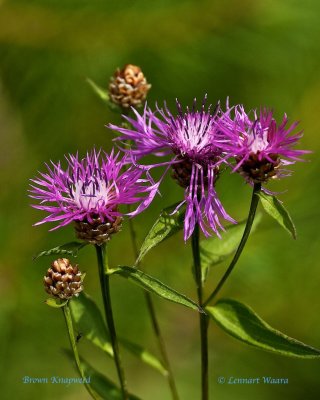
(164, 227)
(68, 249)
(153, 285)
(144, 355)
(241, 322)
(104, 96)
(98, 90)
(55, 303)
(102, 385)
(89, 321)
(214, 250)
(275, 208)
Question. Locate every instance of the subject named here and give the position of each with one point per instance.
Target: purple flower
(190, 139)
(259, 145)
(91, 188)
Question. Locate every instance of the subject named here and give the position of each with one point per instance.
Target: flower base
(97, 232)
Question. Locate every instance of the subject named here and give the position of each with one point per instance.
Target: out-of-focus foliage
(257, 52)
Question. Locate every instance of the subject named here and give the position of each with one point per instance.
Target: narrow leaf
(144, 355)
(90, 323)
(153, 285)
(276, 209)
(102, 93)
(104, 96)
(214, 250)
(164, 227)
(102, 385)
(68, 249)
(55, 303)
(241, 322)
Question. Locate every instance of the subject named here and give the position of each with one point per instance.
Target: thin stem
(133, 236)
(154, 320)
(152, 312)
(68, 319)
(246, 233)
(162, 346)
(203, 319)
(105, 289)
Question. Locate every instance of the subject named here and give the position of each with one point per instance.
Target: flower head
(128, 87)
(259, 145)
(190, 138)
(90, 190)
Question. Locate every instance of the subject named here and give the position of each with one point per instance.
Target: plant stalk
(245, 236)
(154, 321)
(105, 289)
(68, 319)
(203, 319)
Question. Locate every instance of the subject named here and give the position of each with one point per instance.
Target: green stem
(203, 319)
(68, 319)
(105, 289)
(246, 233)
(162, 346)
(154, 321)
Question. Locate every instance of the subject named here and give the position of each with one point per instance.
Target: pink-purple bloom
(260, 146)
(190, 139)
(90, 188)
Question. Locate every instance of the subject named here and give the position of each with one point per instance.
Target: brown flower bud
(97, 232)
(63, 280)
(128, 87)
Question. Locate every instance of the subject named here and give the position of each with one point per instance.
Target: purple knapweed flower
(259, 145)
(189, 138)
(90, 190)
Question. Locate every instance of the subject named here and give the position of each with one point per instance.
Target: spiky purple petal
(258, 135)
(92, 187)
(190, 137)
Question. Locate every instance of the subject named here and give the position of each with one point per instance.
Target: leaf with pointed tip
(55, 303)
(143, 355)
(68, 249)
(104, 96)
(102, 93)
(241, 322)
(276, 209)
(153, 285)
(214, 250)
(103, 386)
(89, 321)
(164, 227)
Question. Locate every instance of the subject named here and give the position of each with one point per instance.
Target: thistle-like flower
(89, 192)
(260, 146)
(189, 138)
(63, 280)
(128, 87)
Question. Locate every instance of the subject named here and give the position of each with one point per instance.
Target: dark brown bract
(259, 171)
(182, 172)
(97, 232)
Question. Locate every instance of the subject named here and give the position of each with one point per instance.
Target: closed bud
(63, 280)
(128, 87)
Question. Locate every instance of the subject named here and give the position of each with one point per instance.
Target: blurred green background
(257, 52)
